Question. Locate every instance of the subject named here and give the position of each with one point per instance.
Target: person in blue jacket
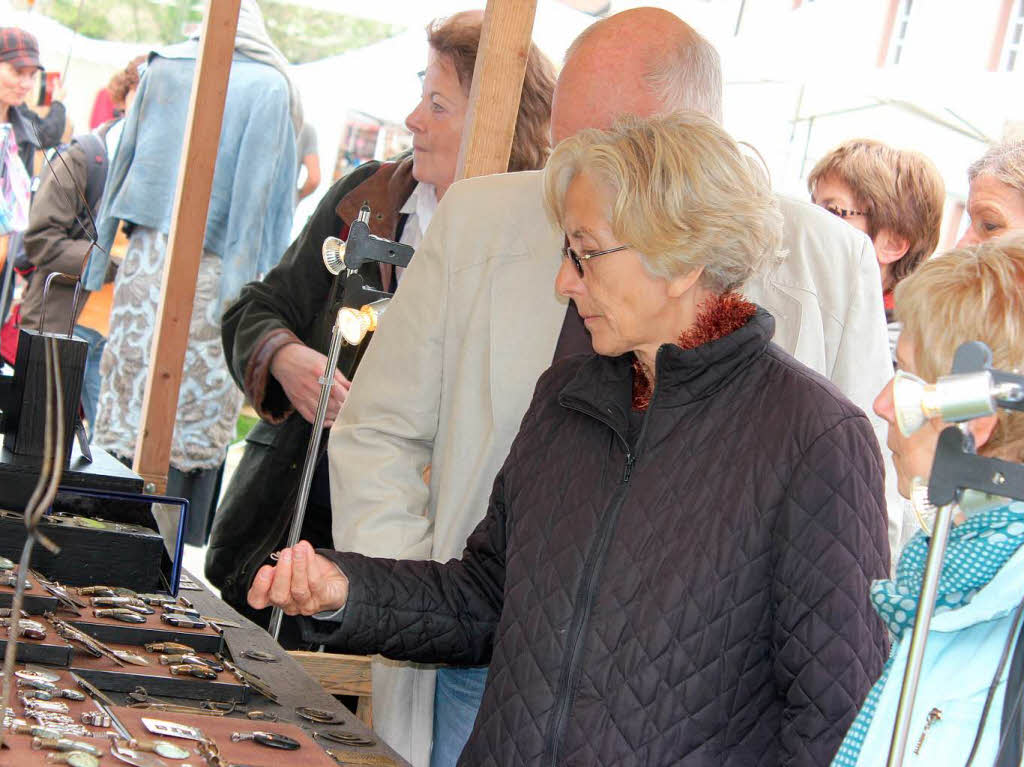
(969, 294)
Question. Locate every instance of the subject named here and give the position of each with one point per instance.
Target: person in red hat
(19, 63)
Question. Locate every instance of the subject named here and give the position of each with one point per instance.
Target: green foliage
(302, 34)
(78, 15)
(306, 34)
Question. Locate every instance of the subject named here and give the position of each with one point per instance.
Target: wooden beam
(185, 242)
(497, 84)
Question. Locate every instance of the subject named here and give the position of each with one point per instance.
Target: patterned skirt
(208, 402)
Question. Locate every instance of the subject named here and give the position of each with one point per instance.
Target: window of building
(899, 31)
(1014, 36)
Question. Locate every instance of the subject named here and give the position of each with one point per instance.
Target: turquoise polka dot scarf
(977, 549)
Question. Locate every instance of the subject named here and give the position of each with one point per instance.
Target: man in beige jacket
(476, 320)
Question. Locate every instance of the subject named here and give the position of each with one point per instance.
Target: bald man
(477, 320)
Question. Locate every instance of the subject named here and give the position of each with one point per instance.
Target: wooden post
(185, 243)
(497, 84)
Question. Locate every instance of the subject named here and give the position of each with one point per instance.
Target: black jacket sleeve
(424, 611)
(282, 308)
(830, 543)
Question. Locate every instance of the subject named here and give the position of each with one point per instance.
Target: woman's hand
(298, 369)
(302, 583)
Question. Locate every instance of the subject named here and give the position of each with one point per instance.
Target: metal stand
(926, 606)
(299, 515)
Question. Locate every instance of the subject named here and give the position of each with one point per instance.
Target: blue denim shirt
(252, 199)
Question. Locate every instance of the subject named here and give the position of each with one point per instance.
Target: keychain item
(199, 671)
(168, 647)
(96, 719)
(179, 621)
(269, 739)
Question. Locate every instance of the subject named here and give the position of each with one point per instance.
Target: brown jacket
(55, 241)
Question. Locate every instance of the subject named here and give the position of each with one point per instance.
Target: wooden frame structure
(486, 145)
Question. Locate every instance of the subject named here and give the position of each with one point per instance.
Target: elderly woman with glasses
(995, 203)
(674, 565)
(969, 697)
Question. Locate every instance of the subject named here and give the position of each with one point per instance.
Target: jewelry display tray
(110, 630)
(157, 679)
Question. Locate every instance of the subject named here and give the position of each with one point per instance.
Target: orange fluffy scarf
(717, 317)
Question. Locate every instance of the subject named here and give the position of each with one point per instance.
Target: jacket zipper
(585, 597)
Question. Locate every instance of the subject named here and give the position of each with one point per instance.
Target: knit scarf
(977, 549)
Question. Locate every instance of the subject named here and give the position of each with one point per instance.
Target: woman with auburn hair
(674, 565)
(967, 699)
(895, 196)
(276, 334)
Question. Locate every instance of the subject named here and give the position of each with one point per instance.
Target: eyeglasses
(577, 259)
(835, 210)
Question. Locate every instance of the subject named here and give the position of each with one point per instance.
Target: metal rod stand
(312, 451)
(922, 621)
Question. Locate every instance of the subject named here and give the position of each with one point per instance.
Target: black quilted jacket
(697, 597)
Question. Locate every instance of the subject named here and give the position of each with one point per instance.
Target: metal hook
(77, 282)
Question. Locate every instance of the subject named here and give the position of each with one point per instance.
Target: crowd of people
(620, 479)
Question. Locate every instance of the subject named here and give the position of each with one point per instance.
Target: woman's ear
(982, 428)
(890, 247)
(678, 286)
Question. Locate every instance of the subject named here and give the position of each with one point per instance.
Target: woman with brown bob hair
(276, 333)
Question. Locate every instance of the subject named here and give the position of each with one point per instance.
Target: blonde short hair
(970, 294)
(1004, 162)
(684, 194)
(899, 189)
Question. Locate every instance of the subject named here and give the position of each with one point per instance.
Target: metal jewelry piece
(45, 706)
(199, 671)
(37, 694)
(172, 730)
(179, 621)
(346, 739)
(74, 759)
(107, 591)
(92, 646)
(168, 647)
(135, 757)
(261, 716)
(318, 715)
(261, 655)
(120, 614)
(26, 628)
(63, 744)
(38, 672)
(269, 739)
(361, 757)
(96, 719)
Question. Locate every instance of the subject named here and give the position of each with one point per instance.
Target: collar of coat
(385, 192)
(603, 386)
